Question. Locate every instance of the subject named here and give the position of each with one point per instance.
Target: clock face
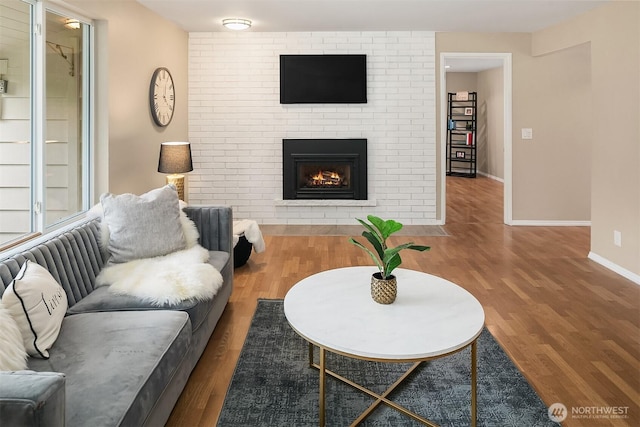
(162, 96)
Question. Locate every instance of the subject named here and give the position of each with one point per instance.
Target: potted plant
(377, 231)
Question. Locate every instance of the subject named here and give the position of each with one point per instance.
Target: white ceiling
(372, 15)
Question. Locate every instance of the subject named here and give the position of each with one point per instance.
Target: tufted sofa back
(73, 258)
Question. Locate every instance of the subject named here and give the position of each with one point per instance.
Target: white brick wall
(236, 124)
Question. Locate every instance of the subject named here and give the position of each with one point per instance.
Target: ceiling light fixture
(236, 23)
(72, 24)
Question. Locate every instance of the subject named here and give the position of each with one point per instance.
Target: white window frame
(37, 46)
(38, 108)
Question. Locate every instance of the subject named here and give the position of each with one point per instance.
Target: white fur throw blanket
(167, 279)
(251, 232)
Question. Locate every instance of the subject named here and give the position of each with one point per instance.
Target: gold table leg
(322, 382)
(382, 398)
(474, 388)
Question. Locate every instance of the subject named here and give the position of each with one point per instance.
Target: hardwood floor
(571, 326)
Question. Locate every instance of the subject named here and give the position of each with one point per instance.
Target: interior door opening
(476, 62)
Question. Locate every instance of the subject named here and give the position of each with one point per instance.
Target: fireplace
(324, 169)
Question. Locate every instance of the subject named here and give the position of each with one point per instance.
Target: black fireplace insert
(324, 169)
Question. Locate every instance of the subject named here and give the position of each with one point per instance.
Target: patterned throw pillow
(38, 304)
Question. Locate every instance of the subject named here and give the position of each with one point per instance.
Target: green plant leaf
(371, 230)
(391, 265)
(420, 248)
(371, 254)
(392, 226)
(386, 228)
(376, 221)
(387, 259)
(391, 252)
(375, 242)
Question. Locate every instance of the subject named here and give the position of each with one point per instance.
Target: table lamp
(175, 159)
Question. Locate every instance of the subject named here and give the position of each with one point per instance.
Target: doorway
(474, 62)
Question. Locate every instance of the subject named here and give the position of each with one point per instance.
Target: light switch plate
(527, 133)
(617, 238)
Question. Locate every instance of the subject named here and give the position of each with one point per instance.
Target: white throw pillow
(13, 356)
(189, 228)
(38, 304)
(144, 226)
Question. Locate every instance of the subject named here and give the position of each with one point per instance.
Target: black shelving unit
(461, 135)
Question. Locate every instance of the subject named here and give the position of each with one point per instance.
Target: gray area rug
(274, 386)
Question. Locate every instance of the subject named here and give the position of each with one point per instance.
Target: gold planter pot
(383, 291)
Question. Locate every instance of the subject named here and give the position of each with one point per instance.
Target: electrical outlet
(527, 133)
(3, 86)
(617, 238)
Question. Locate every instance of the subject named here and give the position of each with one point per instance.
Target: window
(45, 118)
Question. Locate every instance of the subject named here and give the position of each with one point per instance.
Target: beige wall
(491, 122)
(132, 42)
(457, 82)
(614, 36)
(552, 172)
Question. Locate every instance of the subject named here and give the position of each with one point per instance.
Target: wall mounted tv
(323, 79)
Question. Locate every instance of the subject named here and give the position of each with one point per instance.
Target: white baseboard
(495, 178)
(635, 278)
(549, 223)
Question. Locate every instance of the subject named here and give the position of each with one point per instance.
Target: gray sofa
(117, 361)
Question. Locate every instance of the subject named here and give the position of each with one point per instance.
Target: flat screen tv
(323, 79)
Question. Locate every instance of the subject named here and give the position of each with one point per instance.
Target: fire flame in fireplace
(326, 179)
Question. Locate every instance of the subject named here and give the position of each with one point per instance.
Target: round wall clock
(162, 96)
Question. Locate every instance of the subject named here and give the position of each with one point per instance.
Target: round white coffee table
(431, 317)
